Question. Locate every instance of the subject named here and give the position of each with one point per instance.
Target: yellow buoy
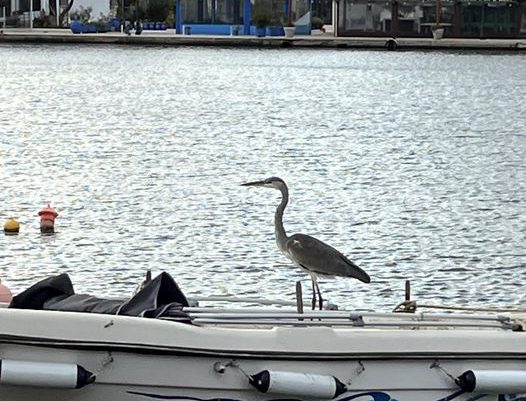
(11, 226)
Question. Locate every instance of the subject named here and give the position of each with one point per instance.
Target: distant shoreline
(63, 36)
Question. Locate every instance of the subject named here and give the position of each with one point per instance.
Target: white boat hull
(145, 359)
(146, 377)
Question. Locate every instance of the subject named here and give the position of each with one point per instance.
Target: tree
(64, 12)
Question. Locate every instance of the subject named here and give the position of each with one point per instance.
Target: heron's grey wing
(316, 256)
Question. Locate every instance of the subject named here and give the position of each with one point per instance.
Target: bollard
(11, 226)
(47, 220)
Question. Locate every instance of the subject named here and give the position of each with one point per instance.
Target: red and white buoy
(5, 293)
(47, 219)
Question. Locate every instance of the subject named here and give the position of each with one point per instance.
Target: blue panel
(247, 16)
(178, 17)
(303, 25)
(275, 31)
(210, 29)
(76, 26)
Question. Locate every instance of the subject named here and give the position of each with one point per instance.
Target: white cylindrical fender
(44, 374)
(493, 381)
(297, 384)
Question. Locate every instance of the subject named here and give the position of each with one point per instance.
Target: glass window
(228, 11)
(420, 17)
(278, 12)
(193, 11)
(410, 17)
(429, 17)
(491, 19)
(498, 19)
(212, 11)
(523, 17)
(367, 16)
(301, 8)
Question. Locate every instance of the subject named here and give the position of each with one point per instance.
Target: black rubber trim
(244, 354)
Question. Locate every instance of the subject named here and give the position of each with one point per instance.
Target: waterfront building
(413, 18)
(236, 16)
(366, 18)
(18, 11)
(197, 16)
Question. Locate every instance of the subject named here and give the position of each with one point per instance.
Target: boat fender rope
(220, 367)
(103, 365)
(437, 365)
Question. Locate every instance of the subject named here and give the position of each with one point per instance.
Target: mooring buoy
(47, 219)
(11, 226)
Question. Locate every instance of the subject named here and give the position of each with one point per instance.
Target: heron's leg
(320, 299)
(314, 285)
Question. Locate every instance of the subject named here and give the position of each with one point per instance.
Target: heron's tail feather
(355, 271)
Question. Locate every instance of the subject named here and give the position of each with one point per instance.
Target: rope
(103, 364)
(475, 309)
(411, 306)
(436, 365)
(235, 364)
(405, 307)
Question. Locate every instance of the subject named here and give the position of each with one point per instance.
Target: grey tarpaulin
(161, 297)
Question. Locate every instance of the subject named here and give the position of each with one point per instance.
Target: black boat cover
(160, 297)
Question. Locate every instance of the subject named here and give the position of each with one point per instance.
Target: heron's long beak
(253, 184)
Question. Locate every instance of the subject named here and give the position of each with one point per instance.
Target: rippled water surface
(411, 163)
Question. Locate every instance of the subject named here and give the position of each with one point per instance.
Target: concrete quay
(168, 38)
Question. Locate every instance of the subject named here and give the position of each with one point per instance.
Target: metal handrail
(262, 313)
(288, 317)
(299, 322)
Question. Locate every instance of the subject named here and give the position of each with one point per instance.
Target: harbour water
(413, 164)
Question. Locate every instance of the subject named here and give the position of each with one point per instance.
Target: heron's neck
(281, 235)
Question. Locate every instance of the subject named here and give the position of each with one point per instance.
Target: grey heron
(308, 253)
